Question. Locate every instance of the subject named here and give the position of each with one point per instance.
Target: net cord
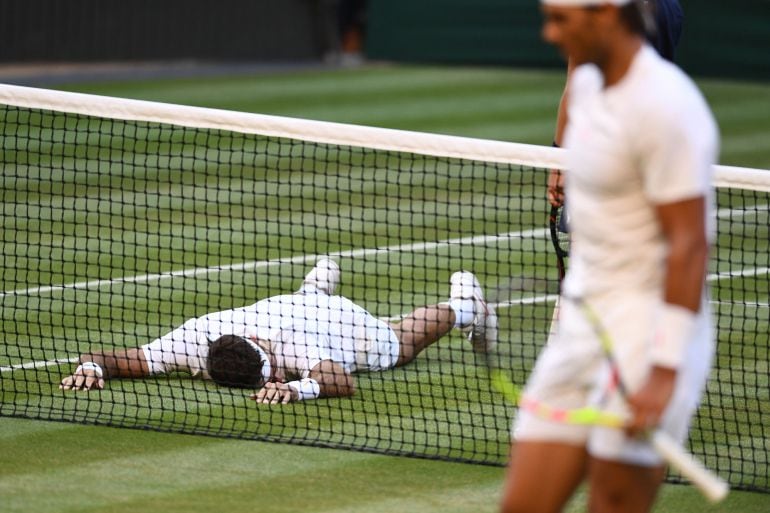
(325, 132)
(276, 126)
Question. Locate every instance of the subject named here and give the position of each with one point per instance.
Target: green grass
(141, 218)
(71, 468)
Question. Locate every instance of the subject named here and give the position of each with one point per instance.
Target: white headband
(583, 3)
(265, 359)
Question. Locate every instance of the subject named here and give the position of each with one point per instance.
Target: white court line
(728, 212)
(740, 273)
(36, 365)
(753, 304)
(247, 266)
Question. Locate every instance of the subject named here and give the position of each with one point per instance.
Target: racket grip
(713, 487)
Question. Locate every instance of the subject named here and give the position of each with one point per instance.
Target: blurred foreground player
(641, 144)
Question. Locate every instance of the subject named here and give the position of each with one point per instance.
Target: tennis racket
(709, 484)
(559, 229)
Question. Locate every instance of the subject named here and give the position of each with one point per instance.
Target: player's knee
(527, 497)
(610, 498)
(605, 501)
(525, 503)
(614, 502)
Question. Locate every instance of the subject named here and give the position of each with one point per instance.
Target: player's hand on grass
(275, 393)
(649, 403)
(83, 379)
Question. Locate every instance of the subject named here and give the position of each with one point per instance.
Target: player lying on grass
(297, 346)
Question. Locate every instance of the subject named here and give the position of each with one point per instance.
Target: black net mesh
(117, 232)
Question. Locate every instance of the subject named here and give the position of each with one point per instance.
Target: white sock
(464, 313)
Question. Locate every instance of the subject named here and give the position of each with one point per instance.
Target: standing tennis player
(298, 346)
(641, 143)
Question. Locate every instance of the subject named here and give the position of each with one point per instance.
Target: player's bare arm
(683, 224)
(327, 379)
(684, 227)
(97, 367)
(333, 379)
(555, 178)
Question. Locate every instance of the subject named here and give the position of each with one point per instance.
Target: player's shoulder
(661, 89)
(666, 106)
(668, 77)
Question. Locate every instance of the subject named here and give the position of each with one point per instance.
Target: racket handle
(713, 487)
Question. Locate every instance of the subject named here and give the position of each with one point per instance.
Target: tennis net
(122, 219)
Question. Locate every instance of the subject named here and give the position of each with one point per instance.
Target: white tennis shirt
(303, 330)
(650, 139)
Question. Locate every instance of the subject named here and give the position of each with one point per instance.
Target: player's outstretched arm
(97, 367)
(327, 379)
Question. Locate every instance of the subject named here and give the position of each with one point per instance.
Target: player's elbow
(336, 385)
(346, 387)
(688, 250)
(334, 380)
(685, 229)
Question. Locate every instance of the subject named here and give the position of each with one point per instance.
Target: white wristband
(90, 366)
(306, 388)
(674, 330)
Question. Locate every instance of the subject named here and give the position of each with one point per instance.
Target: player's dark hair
(233, 362)
(639, 17)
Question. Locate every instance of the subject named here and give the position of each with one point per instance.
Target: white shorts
(572, 372)
(377, 346)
